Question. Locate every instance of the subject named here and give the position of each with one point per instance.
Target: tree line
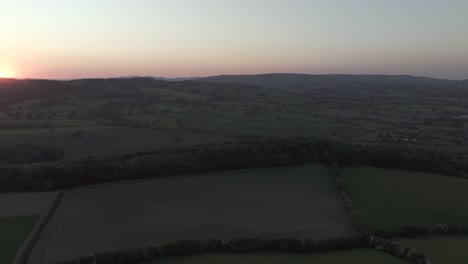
(241, 154)
(246, 245)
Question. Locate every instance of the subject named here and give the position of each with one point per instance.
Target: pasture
(19, 213)
(389, 198)
(441, 249)
(118, 140)
(13, 232)
(351, 256)
(276, 202)
(21, 204)
(105, 140)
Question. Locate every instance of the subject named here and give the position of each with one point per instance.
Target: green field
(393, 198)
(275, 202)
(442, 249)
(13, 232)
(353, 256)
(118, 140)
(103, 140)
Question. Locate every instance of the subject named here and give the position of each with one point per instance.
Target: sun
(5, 72)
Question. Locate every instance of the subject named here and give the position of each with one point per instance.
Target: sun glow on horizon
(5, 72)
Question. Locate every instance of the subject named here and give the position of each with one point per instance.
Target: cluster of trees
(240, 154)
(239, 245)
(355, 214)
(397, 250)
(27, 153)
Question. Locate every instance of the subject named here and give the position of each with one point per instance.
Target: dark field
(277, 202)
(13, 232)
(19, 213)
(393, 198)
(21, 204)
(358, 256)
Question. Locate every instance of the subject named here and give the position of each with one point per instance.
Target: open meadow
(19, 215)
(277, 202)
(389, 198)
(13, 232)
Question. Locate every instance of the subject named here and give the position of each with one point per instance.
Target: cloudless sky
(179, 38)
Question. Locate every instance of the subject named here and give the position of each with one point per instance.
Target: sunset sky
(64, 39)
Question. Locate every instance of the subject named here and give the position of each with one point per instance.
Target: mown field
(389, 198)
(442, 249)
(276, 202)
(357, 256)
(13, 232)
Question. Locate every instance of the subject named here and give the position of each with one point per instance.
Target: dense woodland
(240, 154)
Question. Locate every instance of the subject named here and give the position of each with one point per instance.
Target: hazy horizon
(183, 38)
(234, 74)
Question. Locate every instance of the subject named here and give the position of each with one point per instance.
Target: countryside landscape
(285, 136)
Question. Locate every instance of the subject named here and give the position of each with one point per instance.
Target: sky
(65, 39)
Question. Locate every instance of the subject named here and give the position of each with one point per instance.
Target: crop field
(19, 212)
(98, 140)
(277, 202)
(441, 249)
(13, 232)
(393, 198)
(357, 256)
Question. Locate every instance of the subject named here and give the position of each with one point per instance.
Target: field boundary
(23, 255)
(252, 245)
(341, 195)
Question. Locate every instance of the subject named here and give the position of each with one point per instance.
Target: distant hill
(300, 81)
(115, 88)
(156, 78)
(229, 85)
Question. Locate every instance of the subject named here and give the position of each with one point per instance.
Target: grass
(13, 232)
(393, 198)
(28, 136)
(105, 139)
(441, 249)
(274, 202)
(128, 139)
(323, 130)
(352, 256)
